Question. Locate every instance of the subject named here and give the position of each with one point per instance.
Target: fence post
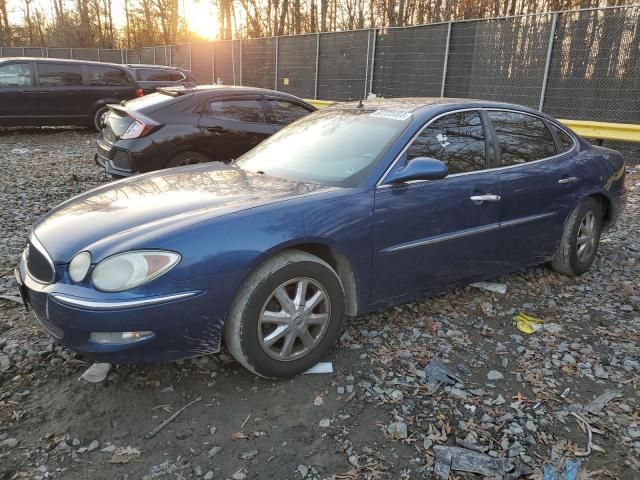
(190, 54)
(122, 56)
(366, 68)
(545, 78)
(233, 63)
(446, 60)
(373, 59)
(240, 61)
(46, 51)
(315, 88)
(23, 52)
(213, 63)
(126, 56)
(1, 52)
(99, 55)
(276, 79)
(71, 52)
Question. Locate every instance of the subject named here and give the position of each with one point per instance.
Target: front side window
(152, 75)
(329, 147)
(456, 139)
(58, 75)
(287, 112)
(107, 76)
(15, 75)
(238, 110)
(522, 138)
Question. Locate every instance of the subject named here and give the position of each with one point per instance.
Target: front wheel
(286, 316)
(579, 244)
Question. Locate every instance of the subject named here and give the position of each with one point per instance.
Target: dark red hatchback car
(183, 126)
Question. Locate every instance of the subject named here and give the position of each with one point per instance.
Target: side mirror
(419, 168)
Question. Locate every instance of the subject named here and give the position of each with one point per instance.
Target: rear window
(59, 75)
(174, 75)
(15, 75)
(566, 142)
(238, 110)
(152, 75)
(107, 76)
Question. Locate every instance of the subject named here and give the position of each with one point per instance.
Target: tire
(574, 258)
(97, 117)
(247, 336)
(186, 158)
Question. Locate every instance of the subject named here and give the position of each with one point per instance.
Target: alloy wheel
(294, 319)
(587, 233)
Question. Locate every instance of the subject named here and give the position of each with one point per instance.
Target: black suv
(152, 77)
(181, 126)
(47, 91)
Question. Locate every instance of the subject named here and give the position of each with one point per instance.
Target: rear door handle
(568, 180)
(489, 197)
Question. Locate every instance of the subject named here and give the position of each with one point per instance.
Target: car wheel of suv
(186, 158)
(286, 316)
(98, 117)
(579, 244)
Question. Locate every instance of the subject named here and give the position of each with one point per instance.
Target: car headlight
(125, 271)
(79, 266)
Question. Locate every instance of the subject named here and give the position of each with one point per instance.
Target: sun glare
(201, 18)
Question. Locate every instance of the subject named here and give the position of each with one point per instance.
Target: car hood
(168, 199)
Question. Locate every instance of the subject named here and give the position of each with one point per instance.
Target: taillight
(139, 92)
(136, 130)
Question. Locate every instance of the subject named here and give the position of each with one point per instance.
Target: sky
(201, 14)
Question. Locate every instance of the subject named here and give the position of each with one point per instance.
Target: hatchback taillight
(136, 130)
(139, 92)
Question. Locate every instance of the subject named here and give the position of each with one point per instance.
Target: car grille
(121, 160)
(48, 327)
(39, 264)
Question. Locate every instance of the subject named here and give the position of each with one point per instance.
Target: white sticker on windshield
(392, 114)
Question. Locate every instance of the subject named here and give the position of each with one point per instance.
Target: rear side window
(58, 75)
(174, 76)
(456, 139)
(566, 142)
(107, 76)
(287, 112)
(238, 110)
(152, 75)
(522, 138)
(15, 75)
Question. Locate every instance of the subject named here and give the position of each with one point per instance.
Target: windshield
(329, 147)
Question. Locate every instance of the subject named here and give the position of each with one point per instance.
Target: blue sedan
(348, 210)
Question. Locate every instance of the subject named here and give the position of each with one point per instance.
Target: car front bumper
(110, 169)
(185, 322)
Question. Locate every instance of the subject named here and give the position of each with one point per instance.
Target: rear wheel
(579, 244)
(98, 117)
(286, 316)
(186, 158)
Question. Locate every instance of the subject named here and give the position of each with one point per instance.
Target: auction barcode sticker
(392, 114)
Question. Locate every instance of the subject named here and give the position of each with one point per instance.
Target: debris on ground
(437, 373)
(527, 323)
(595, 406)
(125, 454)
(96, 373)
(170, 419)
(491, 286)
(322, 367)
(465, 460)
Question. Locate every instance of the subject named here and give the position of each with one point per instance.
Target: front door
(233, 126)
(16, 92)
(430, 233)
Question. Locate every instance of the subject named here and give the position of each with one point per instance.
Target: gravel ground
(510, 402)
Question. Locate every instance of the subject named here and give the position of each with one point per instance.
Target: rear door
(540, 182)
(283, 112)
(428, 234)
(233, 125)
(107, 84)
(61, 95)
(16, 92)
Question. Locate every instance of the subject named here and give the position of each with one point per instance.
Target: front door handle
(568, 180)
(489, 197)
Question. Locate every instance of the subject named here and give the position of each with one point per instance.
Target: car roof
(414, 104)
(61, 60)
(149, 65)
(235, 89)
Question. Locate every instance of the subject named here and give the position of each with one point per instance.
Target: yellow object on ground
(526, 323)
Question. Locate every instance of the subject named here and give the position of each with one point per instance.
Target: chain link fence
(581, 65)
